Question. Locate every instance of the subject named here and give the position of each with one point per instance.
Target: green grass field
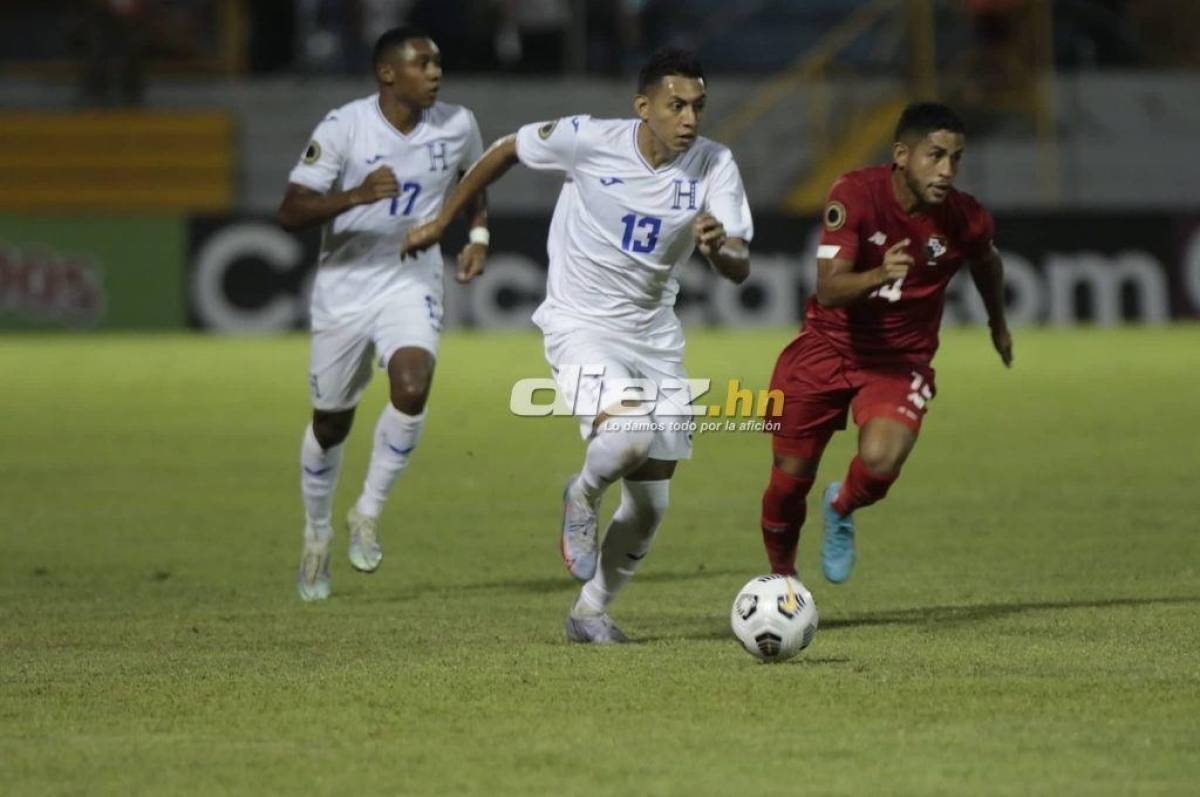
(1023, 619)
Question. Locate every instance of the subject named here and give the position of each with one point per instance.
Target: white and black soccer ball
(774, 617)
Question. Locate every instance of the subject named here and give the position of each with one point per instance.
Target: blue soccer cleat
(837, 543)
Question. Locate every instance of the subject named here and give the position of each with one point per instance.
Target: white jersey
(359, 263)
(620, 227)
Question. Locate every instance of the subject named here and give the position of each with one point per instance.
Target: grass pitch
(1023, 618)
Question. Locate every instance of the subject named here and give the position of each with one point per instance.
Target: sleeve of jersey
(474, 143)
(728, 204)
(980, 232)
(323, 158)
(550, 145)
(840, 222)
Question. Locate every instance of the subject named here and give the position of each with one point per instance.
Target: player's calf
(783, 512)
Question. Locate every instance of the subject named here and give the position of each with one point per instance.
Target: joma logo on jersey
(437, 154)
(680, 193)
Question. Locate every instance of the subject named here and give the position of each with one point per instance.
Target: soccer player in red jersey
(893, 237)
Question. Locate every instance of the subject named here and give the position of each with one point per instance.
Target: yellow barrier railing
(842, 147)
(117, 161)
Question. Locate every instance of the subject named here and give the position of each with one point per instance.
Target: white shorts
(592, 373)
(341, 357)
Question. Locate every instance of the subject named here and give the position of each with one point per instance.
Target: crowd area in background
(113, 44)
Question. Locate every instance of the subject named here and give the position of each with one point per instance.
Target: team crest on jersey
(834, 216)
(313, 152)
(935, 247)
(545, 130)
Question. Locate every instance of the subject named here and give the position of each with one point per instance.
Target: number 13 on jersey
(641, 234)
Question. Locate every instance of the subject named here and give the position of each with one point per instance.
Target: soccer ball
(774, 617)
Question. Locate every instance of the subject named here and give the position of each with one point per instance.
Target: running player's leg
(340, 370)
(808, 373)
(645, 495)
(784, 501)
(888, 410)
(591, 375)
(406, 335)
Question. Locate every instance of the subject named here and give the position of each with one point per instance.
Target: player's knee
(880, 457)
(648, 501)
(654, 507)
(408, 395)
(331, 429)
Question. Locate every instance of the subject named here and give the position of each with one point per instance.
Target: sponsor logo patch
(834, 216)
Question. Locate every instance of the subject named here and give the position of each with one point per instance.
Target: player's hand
(710, 234)
(470, 262)
(1002, 340)
(379, 184)
(896, 262)
(422, 237)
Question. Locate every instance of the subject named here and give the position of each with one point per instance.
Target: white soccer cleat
(365, 553)
(312, 578)
(595, 629)
(578, 543)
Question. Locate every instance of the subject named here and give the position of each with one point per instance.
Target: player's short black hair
(394, 38)
(922, 118)
(669, 61)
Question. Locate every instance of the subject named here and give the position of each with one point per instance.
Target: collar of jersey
(406, 136)
(673, 162)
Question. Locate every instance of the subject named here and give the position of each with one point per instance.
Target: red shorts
(820, 386)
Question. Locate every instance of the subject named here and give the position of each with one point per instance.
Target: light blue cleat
(837, 543)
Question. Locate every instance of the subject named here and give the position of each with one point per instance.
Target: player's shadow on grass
(973, 613)
(565, 583)
(535, 586)
(939, 616)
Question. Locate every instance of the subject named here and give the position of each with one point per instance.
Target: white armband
(479, 235)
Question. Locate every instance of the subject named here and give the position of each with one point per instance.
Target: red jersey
(898, 323)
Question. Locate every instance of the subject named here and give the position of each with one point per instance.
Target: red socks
(782, 515)
(861, 488)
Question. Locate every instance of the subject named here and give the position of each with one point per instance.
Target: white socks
(626, 543)
(319, 470)
(396, 436)
(611, 453)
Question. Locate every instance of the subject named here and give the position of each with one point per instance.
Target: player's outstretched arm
(838, 284)
(303, 207)
(988, 275)
(473, 256)
(729, 256)
(499, 158)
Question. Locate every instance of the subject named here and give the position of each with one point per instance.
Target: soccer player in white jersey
(640, 195)
(373, 168)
